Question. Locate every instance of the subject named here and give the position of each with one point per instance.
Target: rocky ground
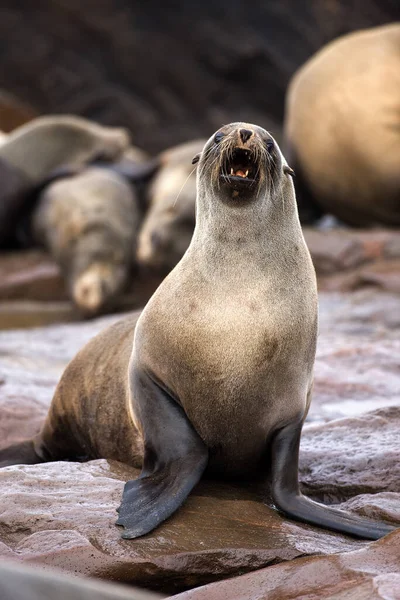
(62, 514)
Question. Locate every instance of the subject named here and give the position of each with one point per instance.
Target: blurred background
(170, 74)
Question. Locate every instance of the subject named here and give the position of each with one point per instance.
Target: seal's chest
(222, 348)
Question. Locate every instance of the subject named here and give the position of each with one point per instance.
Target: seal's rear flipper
(288, 498)
(22, 453)
(174, 460)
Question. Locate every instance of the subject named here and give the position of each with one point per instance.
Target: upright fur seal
(169, 222)
(32, 152)
(342, 129)
(221, 369)
(89, 224)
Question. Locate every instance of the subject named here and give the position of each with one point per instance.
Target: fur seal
(169, 222)
(32, 152)
(89, 224)
(342, 127)
(217, 371)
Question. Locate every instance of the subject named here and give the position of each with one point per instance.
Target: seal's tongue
(239, 172)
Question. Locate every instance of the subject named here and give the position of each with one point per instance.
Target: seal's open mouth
(239, 168)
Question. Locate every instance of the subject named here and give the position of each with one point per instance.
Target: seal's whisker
(185, 182)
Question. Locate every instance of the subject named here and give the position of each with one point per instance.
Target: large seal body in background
(217, 371)
(342, 129)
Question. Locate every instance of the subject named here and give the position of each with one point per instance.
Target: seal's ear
(196, 158)
(288, 171)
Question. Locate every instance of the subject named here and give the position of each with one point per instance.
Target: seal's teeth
(232, 173)
(247, 172)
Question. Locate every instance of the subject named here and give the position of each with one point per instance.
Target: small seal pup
(32, 152)
(342, 124)
(217, 371)
(89, 224)
(169, 222)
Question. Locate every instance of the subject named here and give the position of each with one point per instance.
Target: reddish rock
(336, 250)
(392, 247)
(352, 456)
(333, 250)
(62, 514)
(383, 274)
(30, 275)
(23, 314)
(369, 573)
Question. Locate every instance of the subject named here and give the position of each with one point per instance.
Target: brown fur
(342, 127)
(90, 416)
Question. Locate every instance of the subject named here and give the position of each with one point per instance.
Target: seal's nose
(245, 134)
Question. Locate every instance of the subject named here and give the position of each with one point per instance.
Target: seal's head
(97, 269)
(243, 162)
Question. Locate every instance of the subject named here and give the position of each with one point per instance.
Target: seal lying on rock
(89, 224)
(168, 225)
(342, 129)
(221, 368)
(32, 152)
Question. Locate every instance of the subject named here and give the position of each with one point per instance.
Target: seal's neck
(256, 227)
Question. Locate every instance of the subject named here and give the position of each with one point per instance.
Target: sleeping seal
(30, 154)
(89, 223)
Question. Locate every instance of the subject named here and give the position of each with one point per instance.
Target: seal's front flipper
(287, 496)
(174, 460)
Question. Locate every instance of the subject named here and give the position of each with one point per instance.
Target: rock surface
(366, 574)
(347, 259)
(62, 514)
(351, 456)
(205, 63)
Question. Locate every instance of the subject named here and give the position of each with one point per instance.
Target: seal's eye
(218, 137)
(270, 145)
